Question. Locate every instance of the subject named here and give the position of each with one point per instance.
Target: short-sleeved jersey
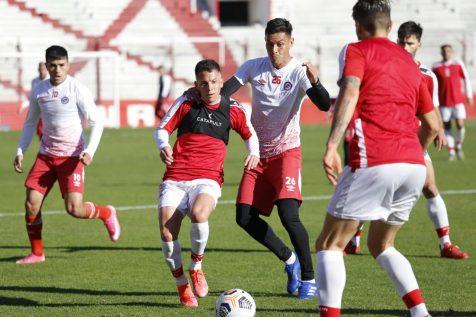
(62, 109)
(277, 95)
(431, 82)
(200, 155)
(392, 93)
(450, 75)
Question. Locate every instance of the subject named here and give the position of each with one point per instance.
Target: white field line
(222, 202)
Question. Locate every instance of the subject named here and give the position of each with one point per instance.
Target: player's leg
(34, 226)
(381, 245)
(172, 208)
(331, 275)
(288, 210)
(255, 197)
(438, 214)
(203, 199)
(40, 180)
(460, 116)
(70, 173)
(353, 247)
(446, 116)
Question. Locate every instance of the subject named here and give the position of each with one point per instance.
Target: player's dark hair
(372, 14)
(206, 65)
(445, 46)
(278, 25)
(56, 52)
(409, 28)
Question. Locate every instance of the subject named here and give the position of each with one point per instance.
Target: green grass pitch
(87, 275)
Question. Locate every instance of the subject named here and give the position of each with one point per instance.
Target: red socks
(34, 224)
(93, 211)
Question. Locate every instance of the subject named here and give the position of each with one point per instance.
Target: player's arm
(241, 77)
(467, 84)
(90, 112)
(241, 123)
(317, 93)
(430, 124)
(28, 130)
(167, 126)
(231, 86)
(440, 140)
(344, 109)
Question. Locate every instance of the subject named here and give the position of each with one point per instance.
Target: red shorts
(276, 177)
(69, 171)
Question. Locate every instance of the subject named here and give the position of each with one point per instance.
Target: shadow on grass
(72, 249)
(60, 290)
(24, 302)
(360, 312)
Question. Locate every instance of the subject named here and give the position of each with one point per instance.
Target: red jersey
(199, 155)
(392, 93)
(450, 76)
(431, 83)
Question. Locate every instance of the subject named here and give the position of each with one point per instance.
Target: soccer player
(279, 83)
(409, 37)
(62, 102)
(192, 181)
(381, 92)
(450, 74)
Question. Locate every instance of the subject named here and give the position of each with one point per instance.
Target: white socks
(439, 216)
(331, 278)
(400, 272)
(291, 259)
(460, 133)
(198, 241)
(173, 257)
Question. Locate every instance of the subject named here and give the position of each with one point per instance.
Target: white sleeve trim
(161, 137)
(436, 100)
(29, 126)
(467, 83)
(252, 143)
(342, 56)
(90, 112)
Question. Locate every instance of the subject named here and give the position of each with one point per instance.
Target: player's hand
(17, 164)
(166, 155)
(311, 72)
(440, 140)
(192, 93)
(85, 158)
(332, 164)
(251, 161)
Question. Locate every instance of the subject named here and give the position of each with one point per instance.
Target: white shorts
(182, 194)
(456, 112)
(385, 192)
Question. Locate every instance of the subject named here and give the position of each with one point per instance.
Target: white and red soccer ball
(235, 303)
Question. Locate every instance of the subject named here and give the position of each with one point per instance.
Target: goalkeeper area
(86, 275)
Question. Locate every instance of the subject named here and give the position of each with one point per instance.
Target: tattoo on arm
(344, 109)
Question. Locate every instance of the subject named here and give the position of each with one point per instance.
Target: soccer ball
(235, 303)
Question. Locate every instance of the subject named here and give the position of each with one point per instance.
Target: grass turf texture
(87, 275)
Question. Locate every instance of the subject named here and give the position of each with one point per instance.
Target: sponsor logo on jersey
(64, 100)
(209, 120)
(288, 85)
(261, 82)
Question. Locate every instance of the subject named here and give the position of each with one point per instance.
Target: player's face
(447, 53)
(411, 44)
(58, 70)
(209, 85)
(42, 71)
(278, 46)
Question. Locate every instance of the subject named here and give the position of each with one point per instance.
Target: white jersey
(63, 109)
(276, 102)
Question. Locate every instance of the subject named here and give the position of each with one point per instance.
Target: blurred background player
(279, 83)
(451, 73)
(165, 86)
(62, 102)
(380, 184)
(42, 75)
(192, 182)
